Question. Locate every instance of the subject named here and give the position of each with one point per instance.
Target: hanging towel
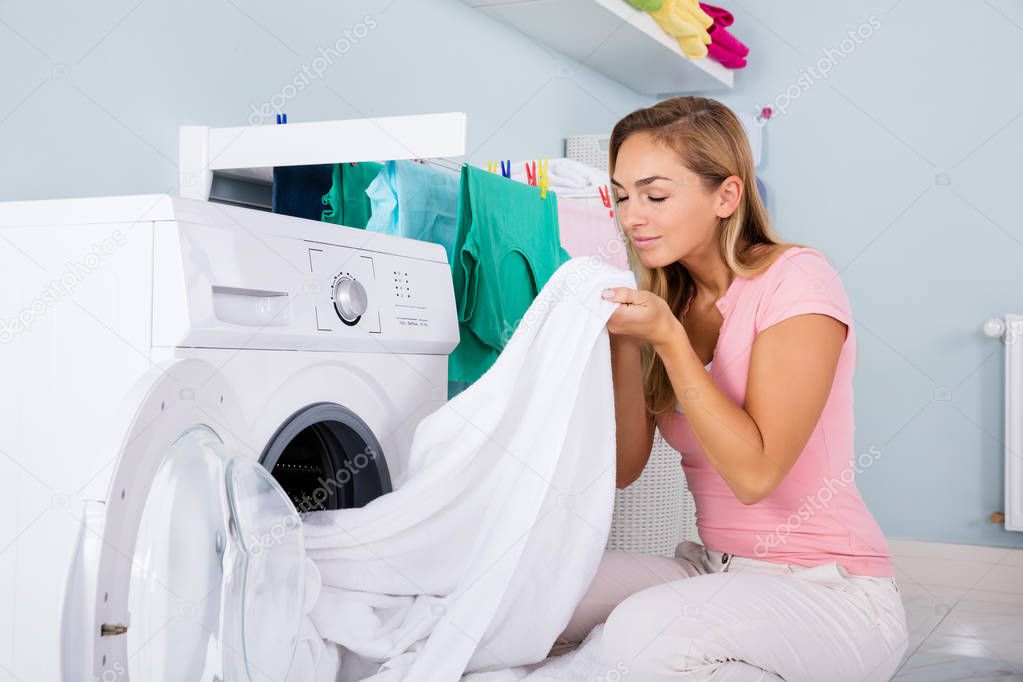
(478, 561)
(568, 177)
(347, 202)
(591, 231)
(412, 200)
(297, 190)
(506, 247)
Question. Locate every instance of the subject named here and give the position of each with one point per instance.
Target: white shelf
(202, 150)
(613, 38)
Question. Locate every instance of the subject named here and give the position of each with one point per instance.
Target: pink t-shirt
(815, 515)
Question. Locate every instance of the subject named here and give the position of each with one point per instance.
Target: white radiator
(1011, 331)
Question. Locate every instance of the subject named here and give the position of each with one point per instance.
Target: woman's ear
(729, 193)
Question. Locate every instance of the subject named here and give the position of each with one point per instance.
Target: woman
(741, 349)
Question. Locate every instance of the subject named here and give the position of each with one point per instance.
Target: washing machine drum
(217, 576)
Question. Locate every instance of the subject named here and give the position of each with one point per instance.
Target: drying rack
(253, 151)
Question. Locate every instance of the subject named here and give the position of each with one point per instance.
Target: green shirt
(347, 199)
(507, 246)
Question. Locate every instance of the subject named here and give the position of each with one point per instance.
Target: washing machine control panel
(359, 294)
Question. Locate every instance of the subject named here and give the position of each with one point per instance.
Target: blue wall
(94, 95)
(899, 165)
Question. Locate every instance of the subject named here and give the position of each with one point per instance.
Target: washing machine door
(216, 587)
(193, 567)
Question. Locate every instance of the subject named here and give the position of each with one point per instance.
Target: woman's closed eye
(657, 200)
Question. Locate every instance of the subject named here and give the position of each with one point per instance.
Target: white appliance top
(139, 208)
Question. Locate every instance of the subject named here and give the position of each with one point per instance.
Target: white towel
(569, 178)
(583, 664)
(477, 562)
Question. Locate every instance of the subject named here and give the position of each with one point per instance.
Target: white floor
(964, 609)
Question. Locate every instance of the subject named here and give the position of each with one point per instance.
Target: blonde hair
(711, 142)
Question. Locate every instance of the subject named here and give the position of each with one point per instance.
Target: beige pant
(711, 616)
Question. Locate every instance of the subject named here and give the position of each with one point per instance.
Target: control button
(350, 299)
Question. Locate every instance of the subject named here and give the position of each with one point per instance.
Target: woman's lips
(644, 243)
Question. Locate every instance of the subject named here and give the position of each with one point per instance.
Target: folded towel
(725, 57)
(569, 178)
(685, 21)
(721, 17)
(647, 5)
(721, 38)
(724, 47)
(510, 483)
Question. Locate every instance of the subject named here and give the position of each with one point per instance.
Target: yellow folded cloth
(685, 21)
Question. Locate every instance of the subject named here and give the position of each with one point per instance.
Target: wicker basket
(656, 512)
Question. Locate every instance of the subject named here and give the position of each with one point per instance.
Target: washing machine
(183, 379)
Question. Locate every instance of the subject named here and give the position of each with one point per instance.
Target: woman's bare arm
(634, 434)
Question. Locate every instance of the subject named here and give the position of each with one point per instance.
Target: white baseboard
(958, 571)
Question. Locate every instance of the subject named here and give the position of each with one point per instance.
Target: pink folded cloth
(590, 231)
(721, 17)
(722, 38)
(726, 58)
(724, 47)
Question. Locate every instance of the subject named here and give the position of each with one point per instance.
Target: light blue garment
(411, 200)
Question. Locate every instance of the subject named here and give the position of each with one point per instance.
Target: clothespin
(491, 166)
(542, 178)
(605, 197)
(531, 173)
(282, 118)
(762, 116)
(506, 169)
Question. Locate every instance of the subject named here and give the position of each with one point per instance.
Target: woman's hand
(643, 315)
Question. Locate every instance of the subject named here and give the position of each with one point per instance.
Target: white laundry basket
(656, 512)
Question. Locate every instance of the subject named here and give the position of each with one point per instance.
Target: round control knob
(349, 299)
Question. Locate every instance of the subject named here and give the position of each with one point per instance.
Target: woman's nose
(629, 216)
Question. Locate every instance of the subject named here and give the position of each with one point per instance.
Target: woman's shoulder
(799, 279)
(779, 261)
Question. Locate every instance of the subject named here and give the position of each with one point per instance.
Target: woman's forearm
(728, 435)
(633, 433)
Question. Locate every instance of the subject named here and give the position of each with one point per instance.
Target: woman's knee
(651, 633)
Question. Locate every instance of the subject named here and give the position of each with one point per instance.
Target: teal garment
(347, 201)
(506, 248)
(412, 200)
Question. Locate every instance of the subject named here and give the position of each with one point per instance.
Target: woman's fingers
(619, 295)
